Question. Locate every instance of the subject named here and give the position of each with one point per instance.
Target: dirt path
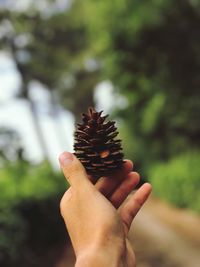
(166, 236)
(162, 236)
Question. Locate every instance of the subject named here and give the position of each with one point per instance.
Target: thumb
(73, 170)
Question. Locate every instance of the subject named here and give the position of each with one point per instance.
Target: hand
(97, 225)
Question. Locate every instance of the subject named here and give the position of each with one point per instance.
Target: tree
(10, 145)
(49, 48)
(150, 50)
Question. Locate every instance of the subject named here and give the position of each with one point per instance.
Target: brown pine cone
(96, 146)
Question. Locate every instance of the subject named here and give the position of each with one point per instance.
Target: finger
(124, 189)
(131, 208)
(107, 185)
(73, 170)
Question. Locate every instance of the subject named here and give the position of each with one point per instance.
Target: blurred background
(139, 61)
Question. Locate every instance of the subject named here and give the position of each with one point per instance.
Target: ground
(162, 236)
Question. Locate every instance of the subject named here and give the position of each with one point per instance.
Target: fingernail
(66, 158)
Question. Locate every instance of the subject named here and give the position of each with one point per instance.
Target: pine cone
(95, 144)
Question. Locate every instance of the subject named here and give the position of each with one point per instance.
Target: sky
(43, 5)
(15, 114)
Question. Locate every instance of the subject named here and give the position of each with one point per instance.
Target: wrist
(99, 259)
(112, 256)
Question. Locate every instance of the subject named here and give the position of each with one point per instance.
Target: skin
(96, 220)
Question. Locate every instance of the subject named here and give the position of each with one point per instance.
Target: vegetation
(177, 181)
(29, 197)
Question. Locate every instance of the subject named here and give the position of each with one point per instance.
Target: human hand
(97, 223)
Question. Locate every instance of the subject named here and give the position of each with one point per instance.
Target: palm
(116, 189)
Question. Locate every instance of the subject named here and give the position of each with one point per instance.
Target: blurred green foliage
(178, 181)
(151, 52)
(21, 180)
(29, 195)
